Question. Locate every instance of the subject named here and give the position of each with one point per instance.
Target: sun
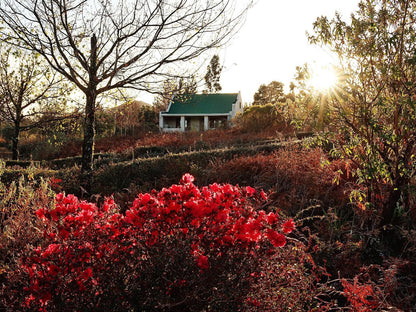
(323, 78)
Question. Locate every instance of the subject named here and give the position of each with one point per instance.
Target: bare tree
(30, 94)
(171, 87)
(100, 45)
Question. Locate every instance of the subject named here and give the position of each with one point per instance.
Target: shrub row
(141, 152)
(159, 171)
(113, 174)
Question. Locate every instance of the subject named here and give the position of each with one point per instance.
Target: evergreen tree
(212, 77)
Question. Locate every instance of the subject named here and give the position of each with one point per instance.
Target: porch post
(206, 123)
(160, 121)
(183, 123)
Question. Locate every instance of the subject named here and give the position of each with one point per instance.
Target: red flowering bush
(181, 249)
(361, 296)
(387, 287)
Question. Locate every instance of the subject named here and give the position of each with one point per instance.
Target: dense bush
(69, 181)
(297, 176)
(19, 226)
(181, 249)
(257, 118)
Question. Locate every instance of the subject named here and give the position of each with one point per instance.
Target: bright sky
(272, 42)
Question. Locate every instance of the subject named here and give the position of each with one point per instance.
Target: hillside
(302, 182)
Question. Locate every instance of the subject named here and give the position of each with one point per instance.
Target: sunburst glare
(323, 78)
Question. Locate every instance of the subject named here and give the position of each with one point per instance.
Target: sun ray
(323, 78)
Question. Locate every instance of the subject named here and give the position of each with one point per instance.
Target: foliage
(181, 248)
(131, 118)
(256, 118)
(269, 94)
(374, 106)
(187, 86)
(212, 77)
(19, 194)
(306, 107)
(28, 92)
(177, 142)
(154, 172)
(377, 286)
(37, 175)
(171, 87)
(307, 184)
(297, 177)
(162, 100)
(280, 288)
(135, 146)
(60, 131)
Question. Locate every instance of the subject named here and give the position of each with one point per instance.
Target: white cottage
(199, 112)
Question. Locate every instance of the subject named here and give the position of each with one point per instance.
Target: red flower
(145, 199)
(277, 239)
(187, 179)
(288, 226)
(45, 298)
(250, 191)
(29, 299)
(53, 270)
(41, 213)
(52, 249)
(271, 218)
(59, 197)
(202, 262)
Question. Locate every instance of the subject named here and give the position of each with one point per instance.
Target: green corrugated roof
(203, 104)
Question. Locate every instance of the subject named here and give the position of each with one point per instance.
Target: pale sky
(273, 41)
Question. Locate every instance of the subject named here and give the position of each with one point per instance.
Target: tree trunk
(15, 141)
(398, 194)
(390, 206)
(88, 144)
(89, 121)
